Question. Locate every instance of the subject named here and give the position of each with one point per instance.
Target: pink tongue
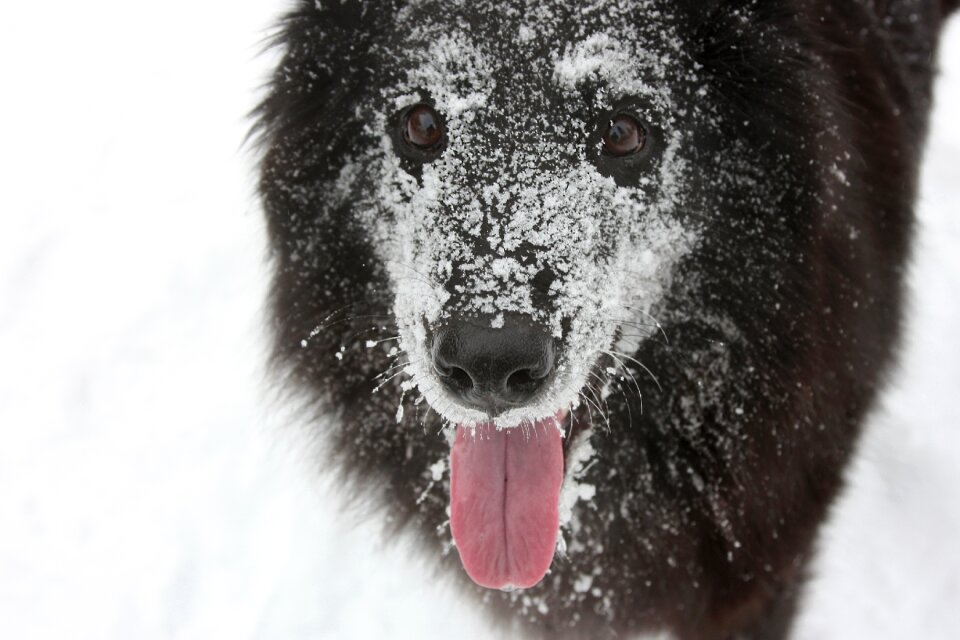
(504, 494)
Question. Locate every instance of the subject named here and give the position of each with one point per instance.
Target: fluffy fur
(724, 329)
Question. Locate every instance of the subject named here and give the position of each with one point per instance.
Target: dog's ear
(325, 47)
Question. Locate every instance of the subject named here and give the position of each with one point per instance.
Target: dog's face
(527, 177)
(510, 213)
(535, 182)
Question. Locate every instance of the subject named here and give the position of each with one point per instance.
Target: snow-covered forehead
(522, 54)
(521, 84)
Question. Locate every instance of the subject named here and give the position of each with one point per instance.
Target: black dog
(606, 287)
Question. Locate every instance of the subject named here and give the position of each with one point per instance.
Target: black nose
(493, 369)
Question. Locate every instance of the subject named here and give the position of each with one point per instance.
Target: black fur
(709, 498)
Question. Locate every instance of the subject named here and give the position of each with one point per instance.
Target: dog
(594, 298)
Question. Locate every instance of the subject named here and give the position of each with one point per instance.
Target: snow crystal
(583, 583)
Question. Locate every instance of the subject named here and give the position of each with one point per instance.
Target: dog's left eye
(423, 128)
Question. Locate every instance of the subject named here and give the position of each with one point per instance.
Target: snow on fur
(514, 193)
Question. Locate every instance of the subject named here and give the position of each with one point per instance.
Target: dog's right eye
(623, 136)
(423, 128)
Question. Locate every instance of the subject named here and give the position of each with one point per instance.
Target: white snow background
(148, 485)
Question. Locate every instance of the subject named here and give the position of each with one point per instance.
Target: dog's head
(518, 188)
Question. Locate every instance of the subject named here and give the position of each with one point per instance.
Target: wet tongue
(504, 493)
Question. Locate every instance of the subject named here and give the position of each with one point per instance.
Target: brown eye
(623, 136)
(424, 129)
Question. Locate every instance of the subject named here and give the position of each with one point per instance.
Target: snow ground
(148, 487)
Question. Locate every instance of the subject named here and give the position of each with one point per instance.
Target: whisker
(626, 370)
(641, 365)
(387, 381)
(361, 332)
(647, 330)
(426, 414)
(630, 411)
(626, 392)
(605, 414)
(603, 382)
(326, 323)
(392, 368)
(649, 315)
(589, 410)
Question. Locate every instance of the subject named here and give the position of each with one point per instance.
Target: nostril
(524, 380)
(460, 378)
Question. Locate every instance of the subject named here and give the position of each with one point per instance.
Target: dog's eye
(623, 136)
(424, 128)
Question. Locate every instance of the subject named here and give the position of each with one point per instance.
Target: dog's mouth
(505, 391)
